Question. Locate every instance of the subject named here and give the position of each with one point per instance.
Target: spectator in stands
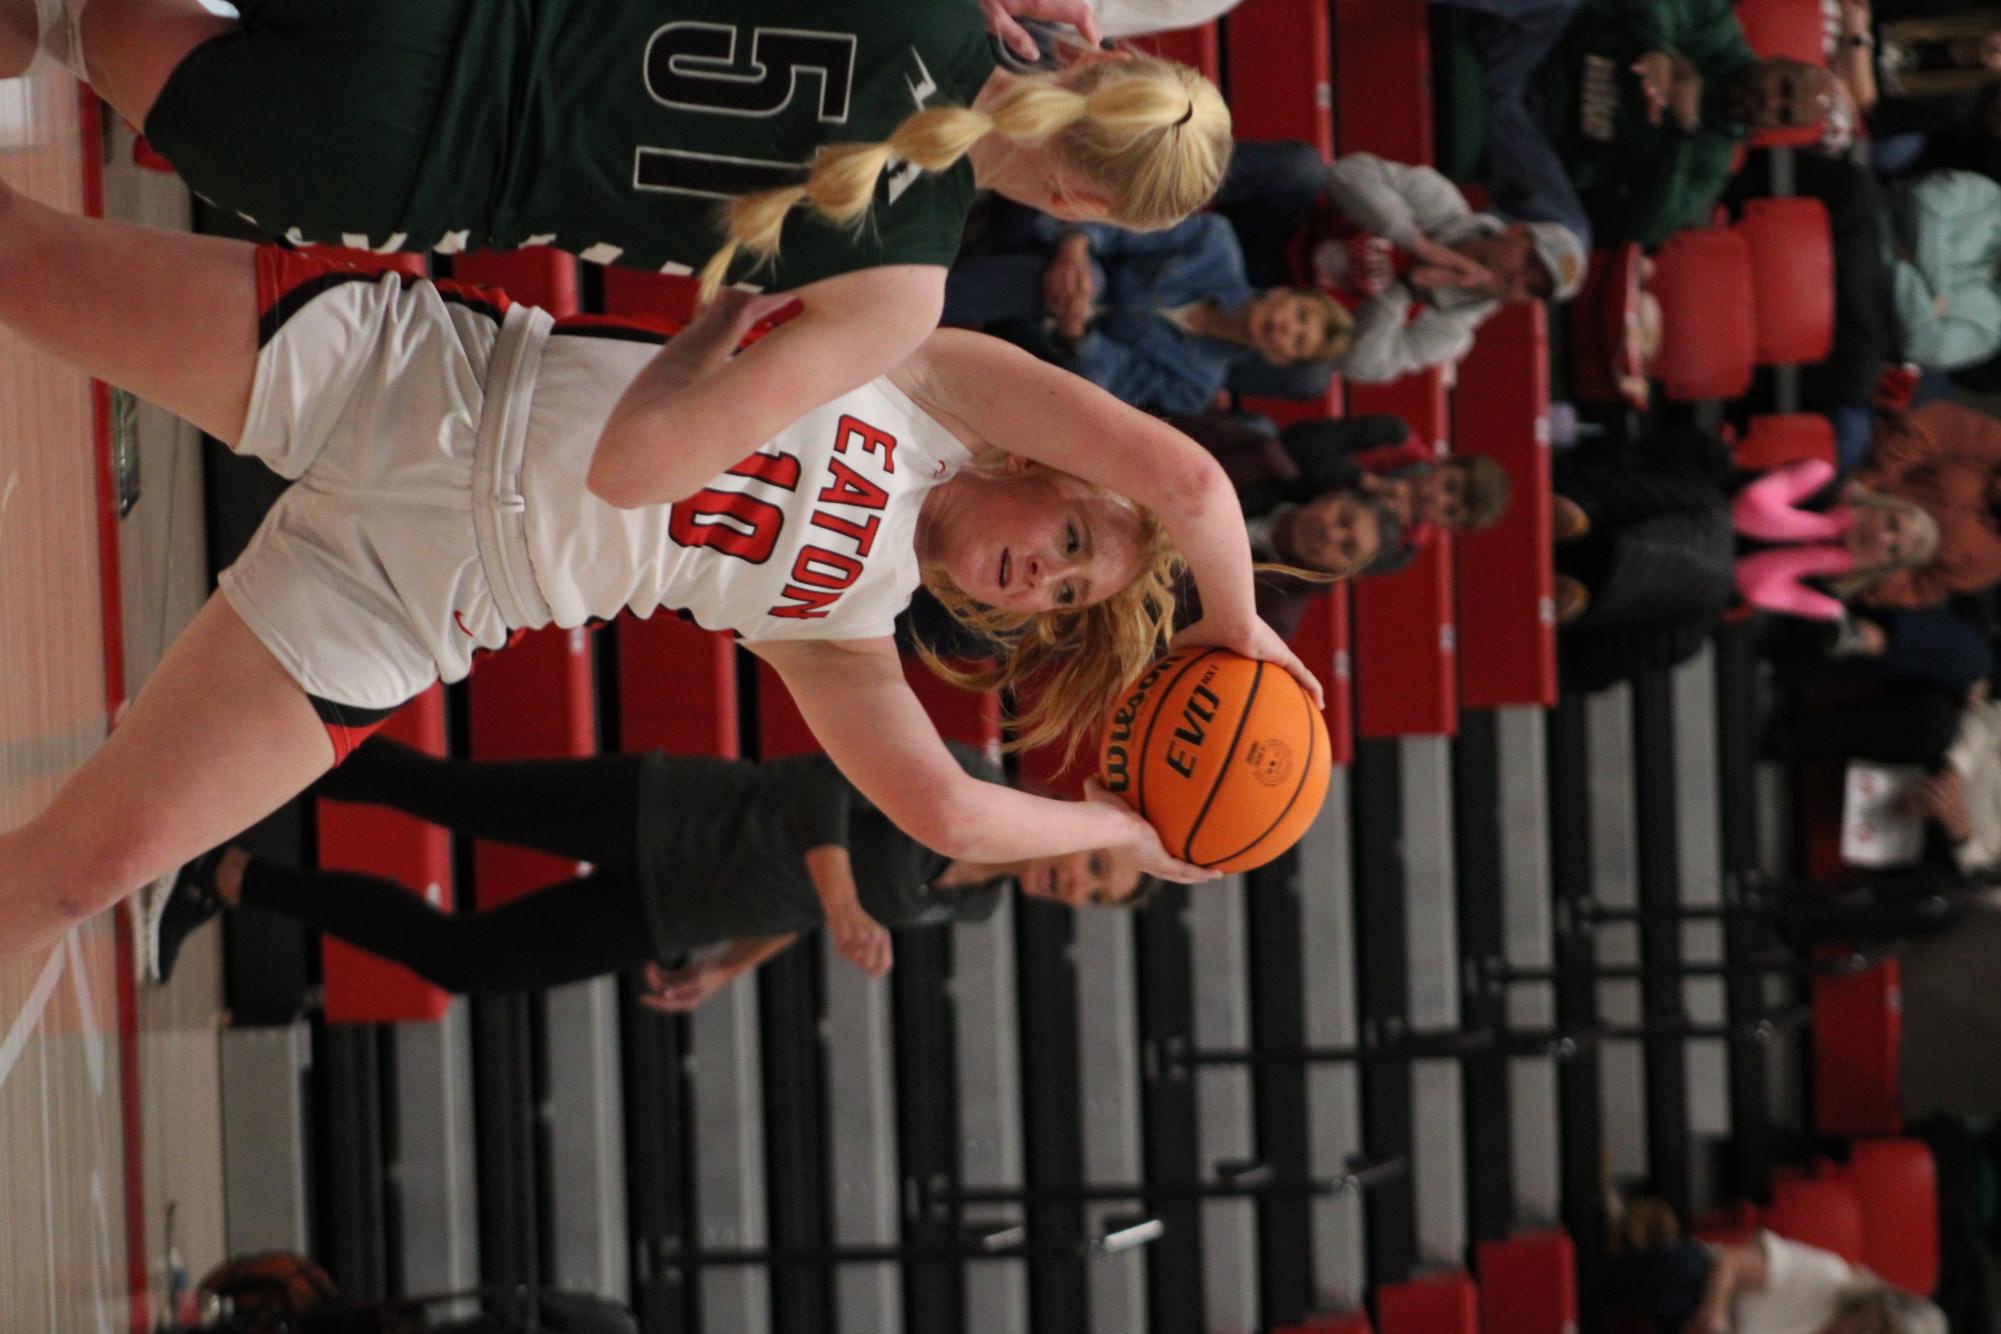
(1311, 503)
(1644, 105)
(1400, 243)
(1766, 1286)
(1945, 267)
(1644, 557)
(1944, 459)
(1163, 319)
(1819, 560)
(685, 852)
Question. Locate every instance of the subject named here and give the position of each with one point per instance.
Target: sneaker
(174, 906)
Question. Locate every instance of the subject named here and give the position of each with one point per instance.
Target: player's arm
(853, 695)
(1025, 406)
(696, 410)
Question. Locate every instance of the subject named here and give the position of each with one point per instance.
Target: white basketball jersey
(812, 537)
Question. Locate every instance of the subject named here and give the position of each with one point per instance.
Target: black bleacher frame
(1487, 1103)
(1278, 1089)
(1163, 951)
(1662, 989)
(1382, 968)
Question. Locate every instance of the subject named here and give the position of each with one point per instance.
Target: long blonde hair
(1153, 134)
(1924, 546)
(1077, 658)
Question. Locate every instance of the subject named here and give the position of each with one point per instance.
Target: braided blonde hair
(1079, 658)
(1153, 134)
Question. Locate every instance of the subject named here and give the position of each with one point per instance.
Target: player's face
(1334, 534)
(1107, 876)
(1039, 540)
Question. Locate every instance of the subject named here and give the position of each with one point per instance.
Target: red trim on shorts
(348, 726)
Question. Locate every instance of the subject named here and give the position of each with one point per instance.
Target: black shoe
(175, 905)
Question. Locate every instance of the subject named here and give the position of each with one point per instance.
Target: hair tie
(1187, 115)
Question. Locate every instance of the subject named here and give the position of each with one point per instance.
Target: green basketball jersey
(640, 120)
(613, 129)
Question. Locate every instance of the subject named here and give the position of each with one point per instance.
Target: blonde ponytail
(1152, 135)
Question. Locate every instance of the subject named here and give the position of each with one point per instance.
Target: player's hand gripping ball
(1225, 756)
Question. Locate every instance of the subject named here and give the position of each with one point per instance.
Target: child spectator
(1164, 319)
(1399, 243)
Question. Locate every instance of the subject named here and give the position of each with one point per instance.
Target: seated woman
(685, 851)
(1163, 320)
(1945, 249)
(472, 467)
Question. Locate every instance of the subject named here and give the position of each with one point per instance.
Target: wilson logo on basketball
(1270, 761)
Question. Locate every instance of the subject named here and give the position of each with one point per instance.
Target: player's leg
(219, 738)
(131, 47)
(169, 316)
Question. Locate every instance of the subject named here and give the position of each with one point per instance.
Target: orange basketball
(1226, 756)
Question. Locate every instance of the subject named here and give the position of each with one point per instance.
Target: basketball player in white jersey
(456, 480)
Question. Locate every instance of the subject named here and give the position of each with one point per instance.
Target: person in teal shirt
(1944, 243)
(1647, 104)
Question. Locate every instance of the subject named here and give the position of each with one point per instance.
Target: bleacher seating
(1280, 80)
(1505, 575)
(1528, 1284)
(1434, 1304)
(1896, 1183)
(1792, 271)
(1200, 47)
(1352, 1322)
(1382, 55)
(535, 700)
(677, 687)
(361, 988)
(1407, 655)
(1710, 338)
(1857, 1030)
(1774, 439)
(1820, 1211)
(1322, 644)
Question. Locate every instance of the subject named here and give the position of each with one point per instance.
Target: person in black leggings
(683, 852)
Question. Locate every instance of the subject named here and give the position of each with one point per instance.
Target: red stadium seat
(361, 988)
(1406, 643)
(1200, 47)
(1605, 326)
(969, 716)
(1505, 574)
(1896, 1181)
(1796, 30)
(1732, 1225)
(1281, 81)
(1322, 644)
(1792, 270)
(1857, 1028)
(1351, 1322)
(1775, 439)
(1528, 1284)
(677, 687)
(538, 276)
(536, 700)
(1439, 1304)
(1383, 63)
(1709, 342)
(1821, 1211)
